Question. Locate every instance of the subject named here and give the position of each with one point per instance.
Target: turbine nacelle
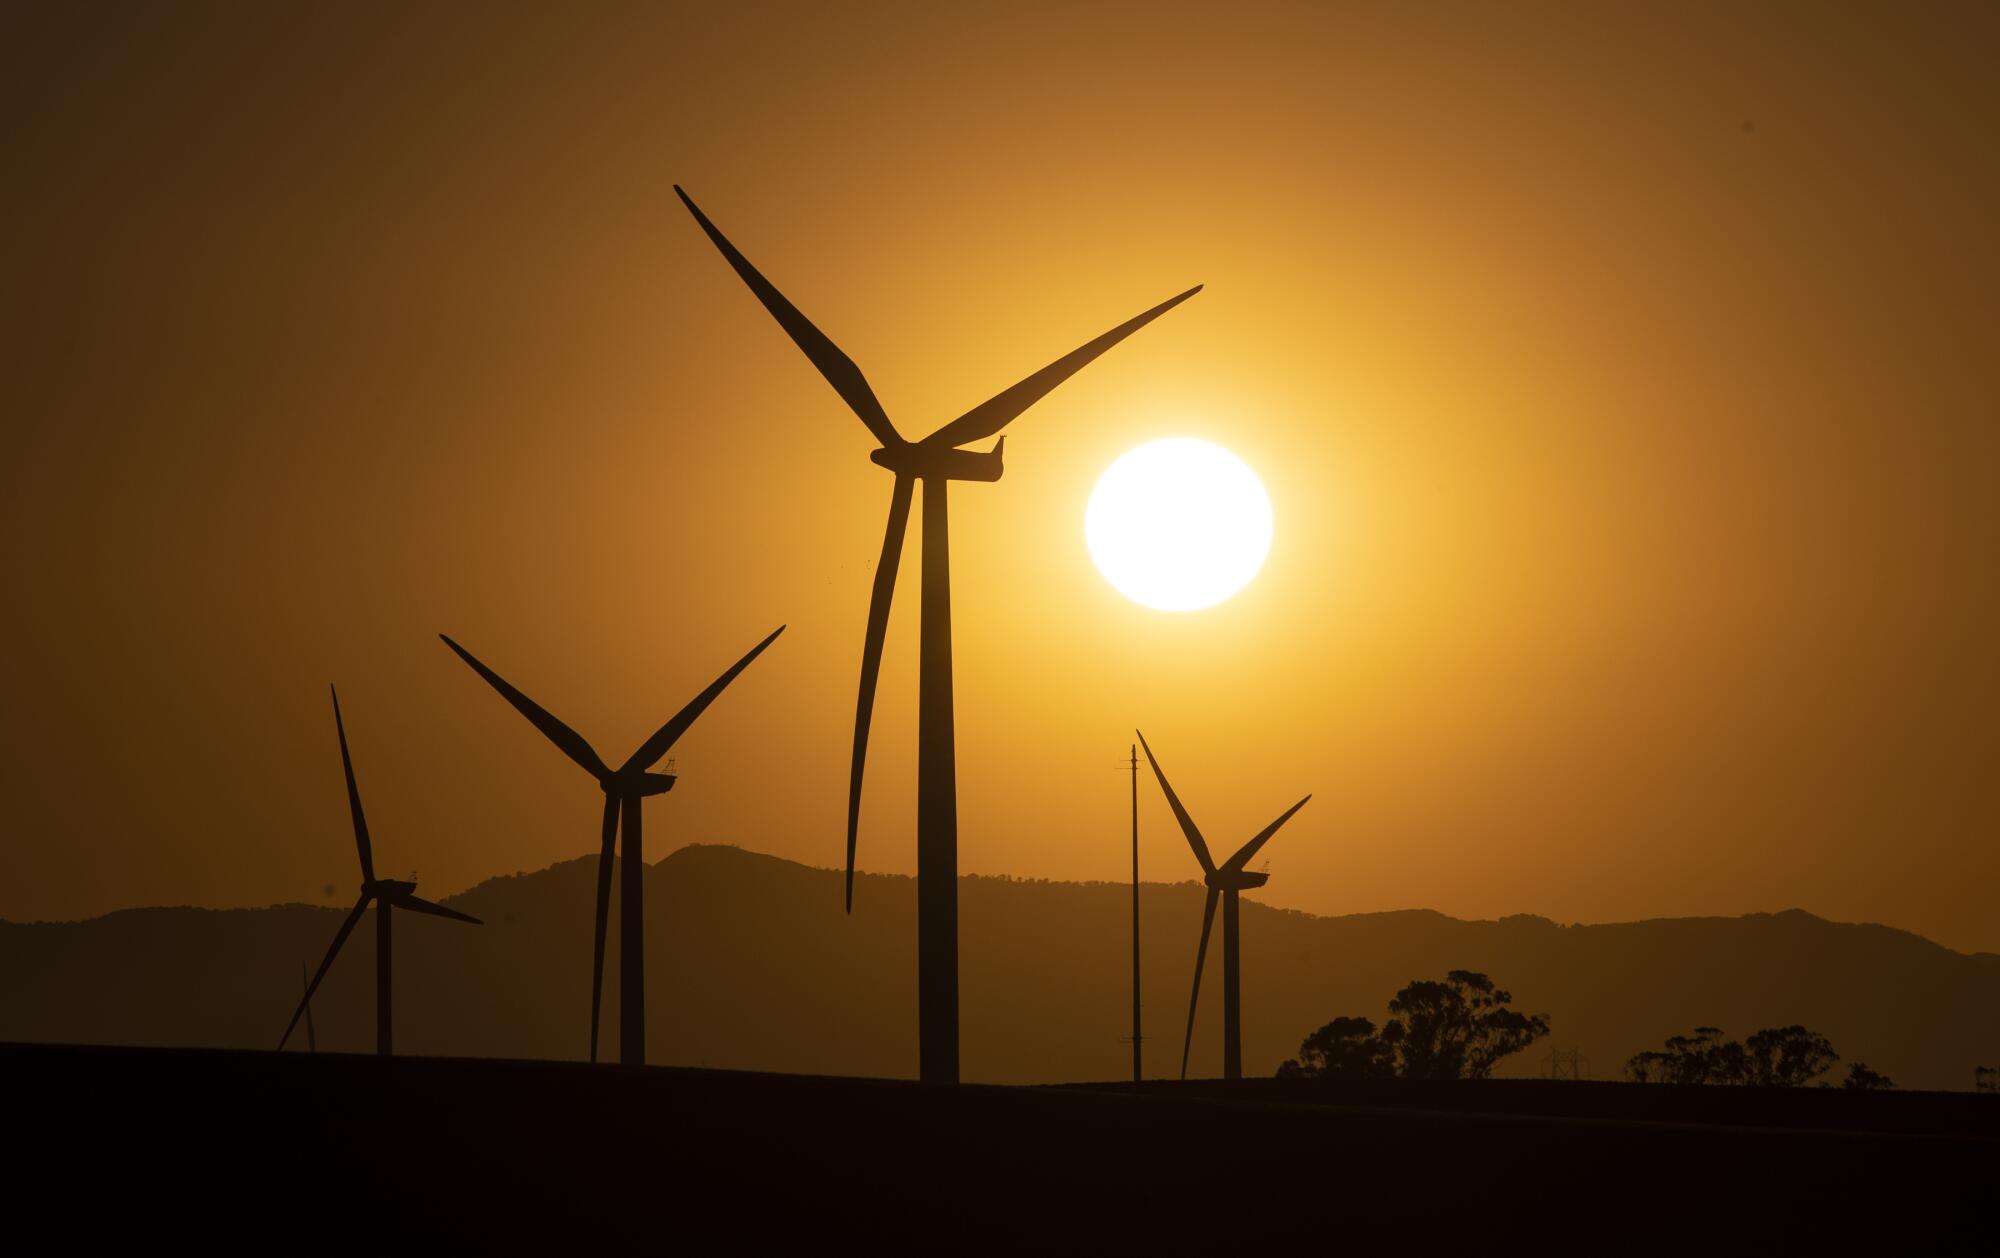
(637, 784)
(1226, 879)
(388, 889)
(940, 462)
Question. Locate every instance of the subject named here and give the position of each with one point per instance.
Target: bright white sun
(1178, 524)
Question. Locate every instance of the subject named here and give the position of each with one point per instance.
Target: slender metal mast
(1137, 1071)
(305, 985)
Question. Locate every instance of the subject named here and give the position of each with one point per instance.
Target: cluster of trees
(1985, 1079)
(1457, 1028)
(1460, 1027)
(1776, 1057)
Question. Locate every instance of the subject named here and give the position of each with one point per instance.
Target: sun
(1178, 524)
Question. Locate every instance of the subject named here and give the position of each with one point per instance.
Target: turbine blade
(1249, 849)
(1194, 838)
(566, 739)
(835, 365)
(664, 738)
(339, 938)
(354, 797)
(871, 657)
(417, 904)
(997, 412)
(1200, 957)
(603, 914)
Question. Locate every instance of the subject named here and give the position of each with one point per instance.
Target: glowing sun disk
(1178, 524)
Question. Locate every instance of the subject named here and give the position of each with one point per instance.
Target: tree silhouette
(1457, 1028)
(1861, 1079)
(1787, 1057)
(1703, 1057)
(1345, 1048)
(1776, 1057)
(1986, 1079)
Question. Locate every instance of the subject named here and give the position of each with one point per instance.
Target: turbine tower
(625, 789)
(935, 460)
(386, 894)
(1224, 882)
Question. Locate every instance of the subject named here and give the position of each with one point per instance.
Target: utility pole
(1137, 1072)
(305, 984)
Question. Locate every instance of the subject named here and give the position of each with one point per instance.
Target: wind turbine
(625, 789)
(936, 460)
(386, 893)
(1224, 882)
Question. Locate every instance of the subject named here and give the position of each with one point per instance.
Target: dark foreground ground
(194, 1149)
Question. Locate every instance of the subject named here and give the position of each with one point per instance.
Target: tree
(1345, 1048)
(1459, 1028)
(1703, 1057)
(1861, 1079)
(1787, 1057)
(1645, 1067)
(1776, 1057)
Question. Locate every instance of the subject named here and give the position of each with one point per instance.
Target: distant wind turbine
(1224, 882)
(936, 461)
(386, 894)
(625, 788)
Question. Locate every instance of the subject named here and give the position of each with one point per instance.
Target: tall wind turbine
(936, 460)
(1224, 883)
(625, 790)
(386, 893)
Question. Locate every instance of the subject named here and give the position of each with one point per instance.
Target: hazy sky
(1621, 377)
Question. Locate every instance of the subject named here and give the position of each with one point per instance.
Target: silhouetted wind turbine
(1225, 882)
(386, 893)
(625, 788)
(936, 461)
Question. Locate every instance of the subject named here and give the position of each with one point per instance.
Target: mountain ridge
(753, 965)
(1372, 914)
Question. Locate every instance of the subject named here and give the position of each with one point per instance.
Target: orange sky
(1621, 382)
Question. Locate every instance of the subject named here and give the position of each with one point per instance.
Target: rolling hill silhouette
(753, 965)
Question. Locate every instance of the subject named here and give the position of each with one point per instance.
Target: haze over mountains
(751, 964)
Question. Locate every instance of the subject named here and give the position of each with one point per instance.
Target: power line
(1138, 1036)
(1567, 1064)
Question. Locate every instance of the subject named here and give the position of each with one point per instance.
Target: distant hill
(752, 964)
